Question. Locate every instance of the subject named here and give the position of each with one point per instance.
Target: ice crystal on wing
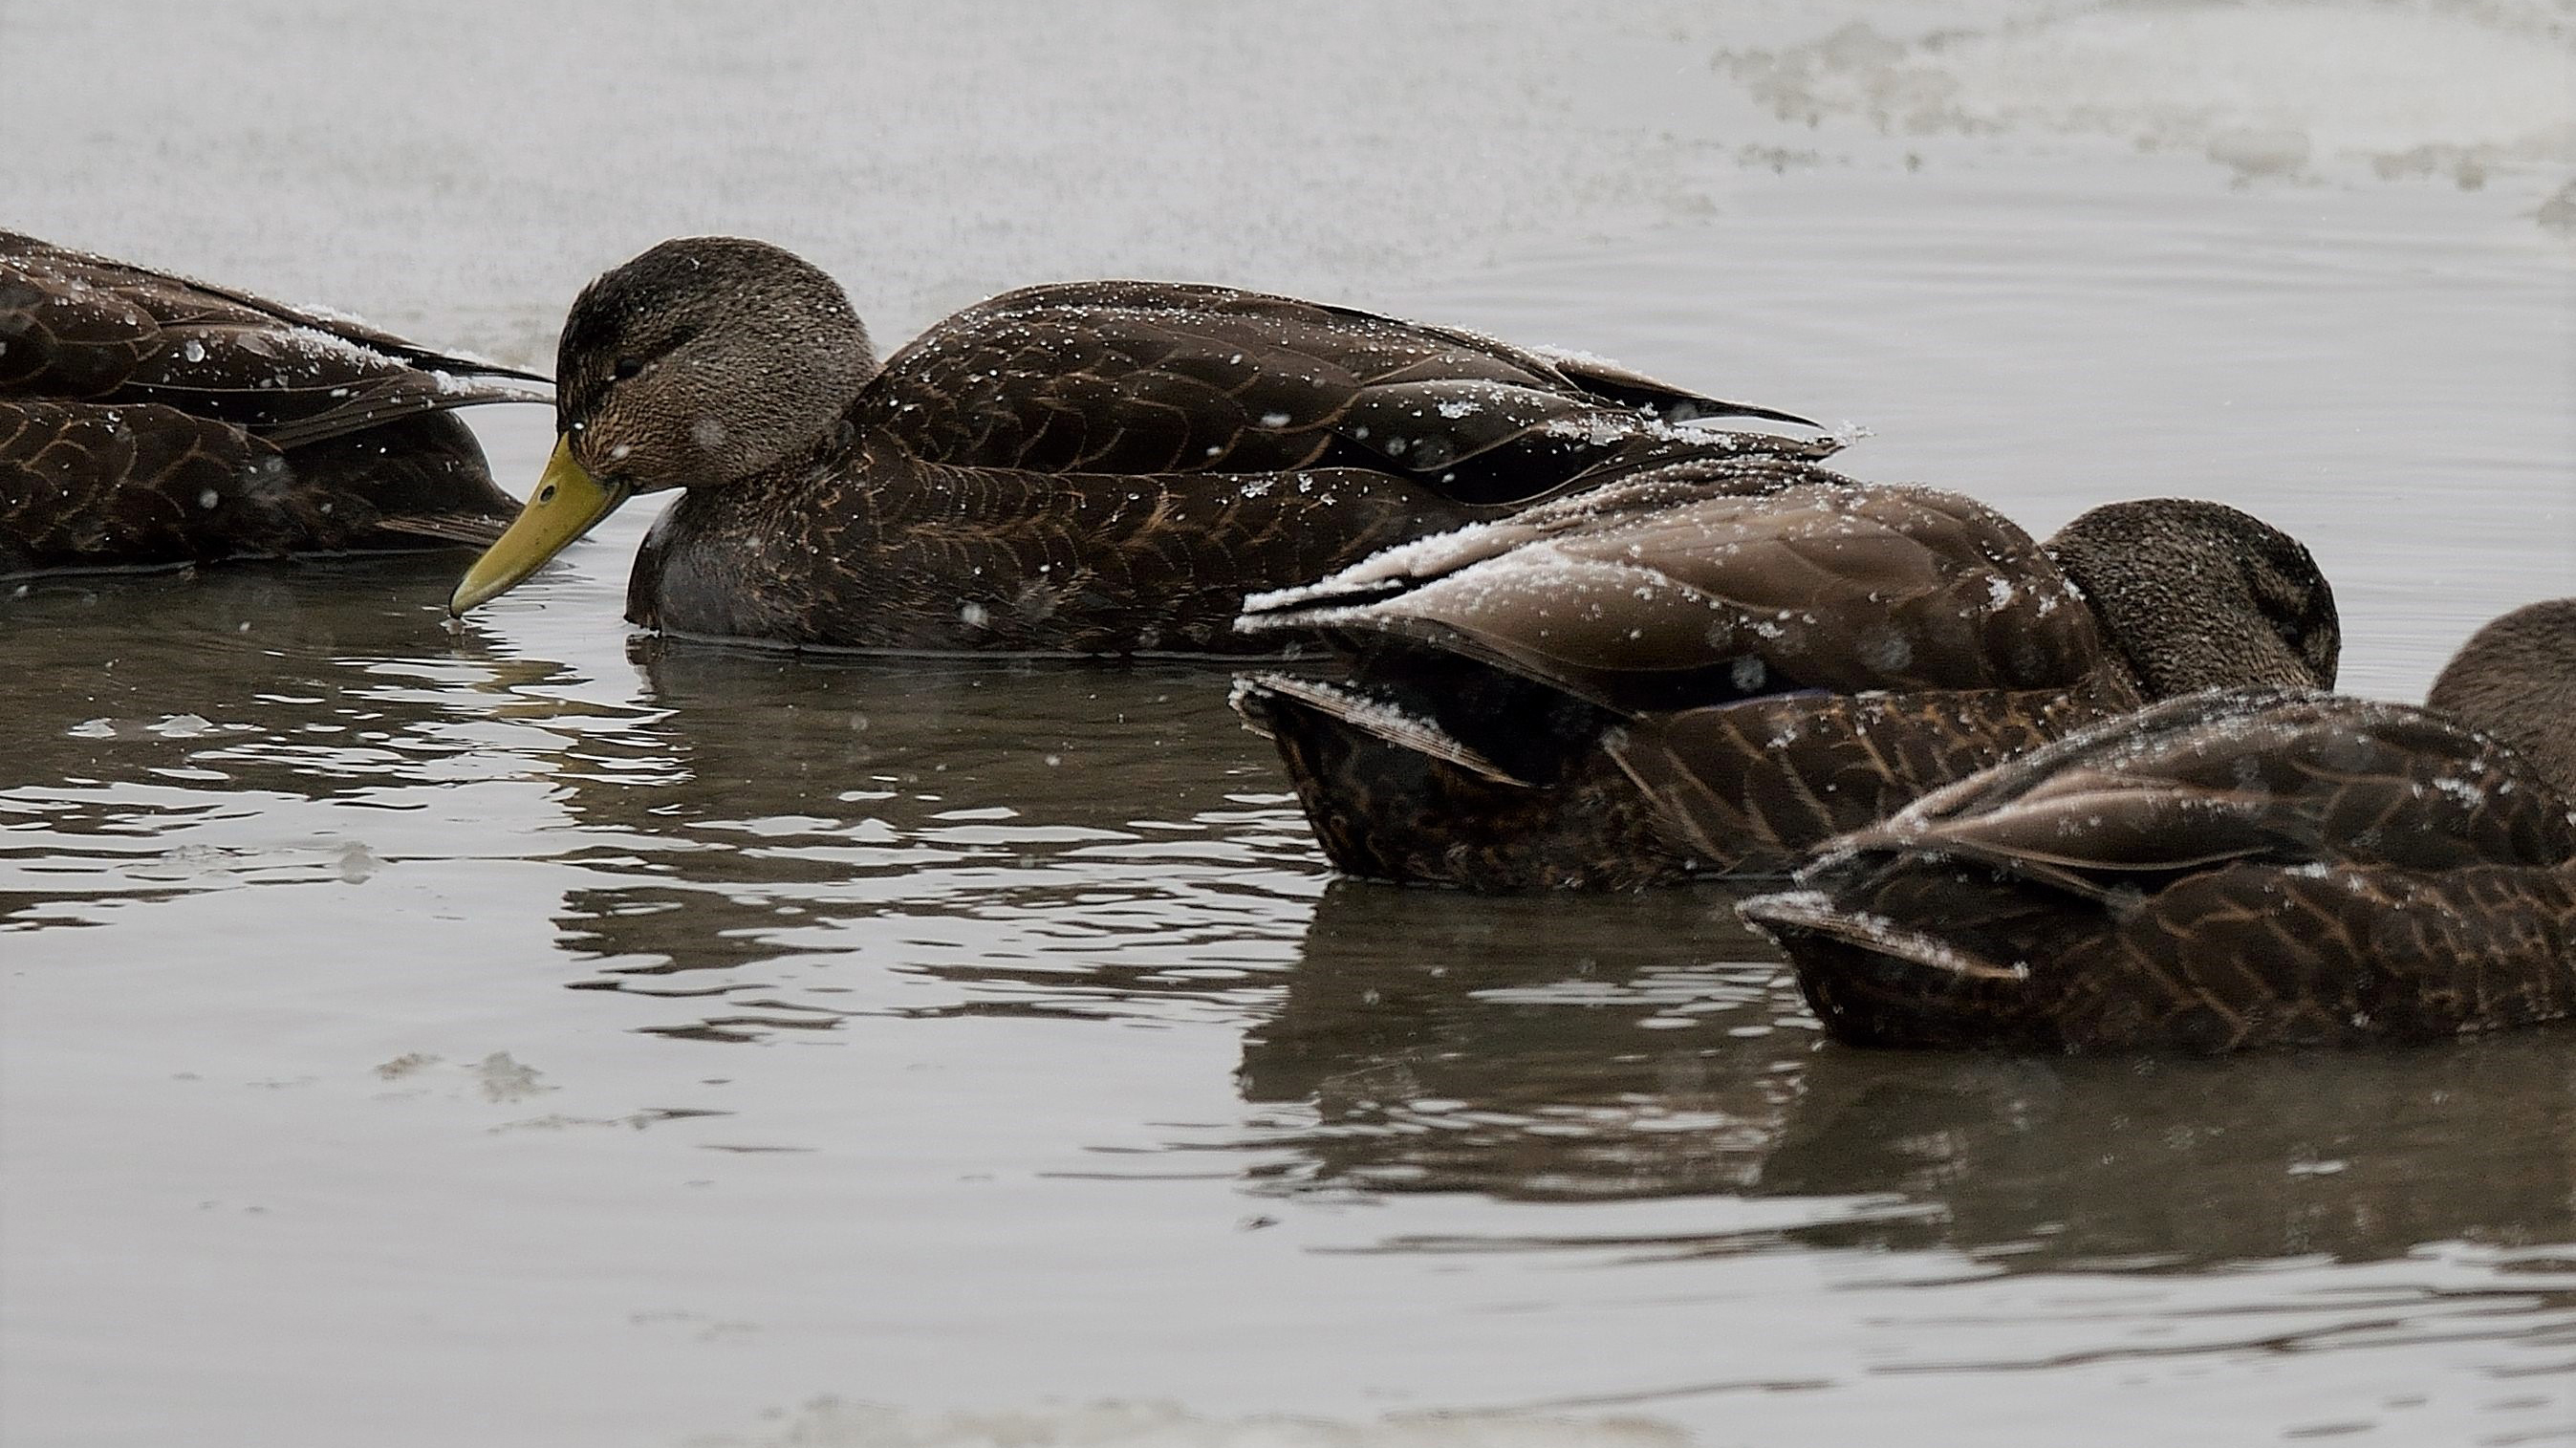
(1582, 359)
(1405, 560)
(2463, 791)
(333, 316)
(453, 384)
(1599, 429)
(314, 343)
(1880, 933)
(1374, 715)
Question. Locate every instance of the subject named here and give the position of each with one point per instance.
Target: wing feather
(78, 327)
(1818, 584)
(2280, 776)
(1179, 378)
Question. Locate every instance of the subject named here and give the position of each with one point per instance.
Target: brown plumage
(1711, 669)
(148, 420)
(2231, 869)
(1098, 467)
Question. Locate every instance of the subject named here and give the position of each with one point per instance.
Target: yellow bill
(568, 502)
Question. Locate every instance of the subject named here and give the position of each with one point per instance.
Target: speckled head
(2516, 679)
(2199, 595)
(706, 360)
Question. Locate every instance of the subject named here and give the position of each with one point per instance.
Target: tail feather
(1379, 718)
(475, 529)
(399, 398)
(1874, 981)
(1902, 949)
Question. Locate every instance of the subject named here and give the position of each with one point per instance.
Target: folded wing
(83, 328)
(2274, 776)
(1144, 377)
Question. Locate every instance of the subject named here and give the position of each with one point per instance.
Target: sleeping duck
(1714, 666)
(1100, 467)
(2232, 869)
(151, 421)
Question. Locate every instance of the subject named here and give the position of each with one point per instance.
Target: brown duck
(2233, 869)
(1713, 667)
(1101, 467)
(149, 421)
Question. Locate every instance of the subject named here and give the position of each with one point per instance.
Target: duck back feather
(149, 420)
(2226, 870)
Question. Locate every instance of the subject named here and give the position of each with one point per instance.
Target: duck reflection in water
(146, 711)
(1523, 1051)
(1007, 836)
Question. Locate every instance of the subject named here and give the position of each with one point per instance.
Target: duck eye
(626, 367)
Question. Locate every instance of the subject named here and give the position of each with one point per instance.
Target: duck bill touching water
(147, 420)
(568, 502)
(1711, 668)
(1102, 467)
(2232, 869)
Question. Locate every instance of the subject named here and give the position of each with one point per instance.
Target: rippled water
(530, 1032)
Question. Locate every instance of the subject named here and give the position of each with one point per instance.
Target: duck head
(701, 362)
(2196, 595)
(2516, 680)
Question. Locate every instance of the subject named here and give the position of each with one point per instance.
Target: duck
(1100, 468)
(2228, 870)
(1709, 668)
(148, 420)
